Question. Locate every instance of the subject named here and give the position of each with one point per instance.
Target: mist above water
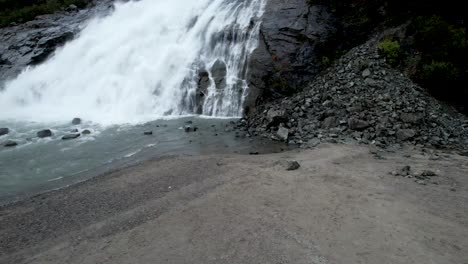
(142, 63)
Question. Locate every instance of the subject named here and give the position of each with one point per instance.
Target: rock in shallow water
(76, 121)
(148, 133)
(44, 133)
(4, 131)
(71, 136)
(10, 143)
(86, 132)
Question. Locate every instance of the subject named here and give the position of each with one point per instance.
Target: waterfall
(147, 60)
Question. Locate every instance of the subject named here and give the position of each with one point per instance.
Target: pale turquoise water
(38, 165)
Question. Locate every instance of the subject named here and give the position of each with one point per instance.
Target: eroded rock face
(35, 41)
(289, 55)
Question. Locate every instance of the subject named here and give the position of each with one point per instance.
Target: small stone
(405, 134)
(366, 73)
(357, 124)
(283, 133)
(4, 131)
(148, 133)
(188, 129)
(421, 182)
(86, 132)
(71, 136)
(10, 143)
(292, 165)
(405, 171)
(76, 121)
(254, 153)
(44, 133)
(74, 130)
(428, 173)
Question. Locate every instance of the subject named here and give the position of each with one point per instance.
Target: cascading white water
(143, 62)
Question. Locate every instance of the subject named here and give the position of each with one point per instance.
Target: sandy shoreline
(341, 206)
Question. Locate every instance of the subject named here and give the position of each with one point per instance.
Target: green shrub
(440, 78)
(439, 40)
(391, 50)
(326, 61)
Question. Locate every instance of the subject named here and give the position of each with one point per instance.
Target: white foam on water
(142, 63)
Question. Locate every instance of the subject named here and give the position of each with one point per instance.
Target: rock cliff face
(360, 98)
(33, 42)
(292, 38)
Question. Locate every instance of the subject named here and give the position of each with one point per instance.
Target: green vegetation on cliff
(434, 48)
(18, 11)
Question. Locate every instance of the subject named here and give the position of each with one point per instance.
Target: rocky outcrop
(360, 98)
(292, 38)
(33, 42)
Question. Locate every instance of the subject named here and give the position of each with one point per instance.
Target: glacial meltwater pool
(37, 165)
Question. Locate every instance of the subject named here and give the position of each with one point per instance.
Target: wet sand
(341, 206)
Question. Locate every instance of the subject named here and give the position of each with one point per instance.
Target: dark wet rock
(86, 132)
(4, 131)
(189, 129)
(428, 173)
(44, 133)
(292, 165)
(10, 143)
(218, 73)
(76, 121)
(292, 40)
(71, 136)
(254, 153)
(148, 133)
(74, 130)
(47, 46)
(35, 41)
(357, 124)
(405, 134)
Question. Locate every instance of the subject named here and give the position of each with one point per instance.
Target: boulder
(411, 118)
(329, 122)
(357, 124)
(76, 121)
(71, 136)
(283, 134)
(4, 131)
(405, 134)
(10, 143)
(44, 133)
(292, 165)
(86, 132)
(293, 35)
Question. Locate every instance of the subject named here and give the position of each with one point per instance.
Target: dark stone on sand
(148, 133)
(292, 165)
(4, 131)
